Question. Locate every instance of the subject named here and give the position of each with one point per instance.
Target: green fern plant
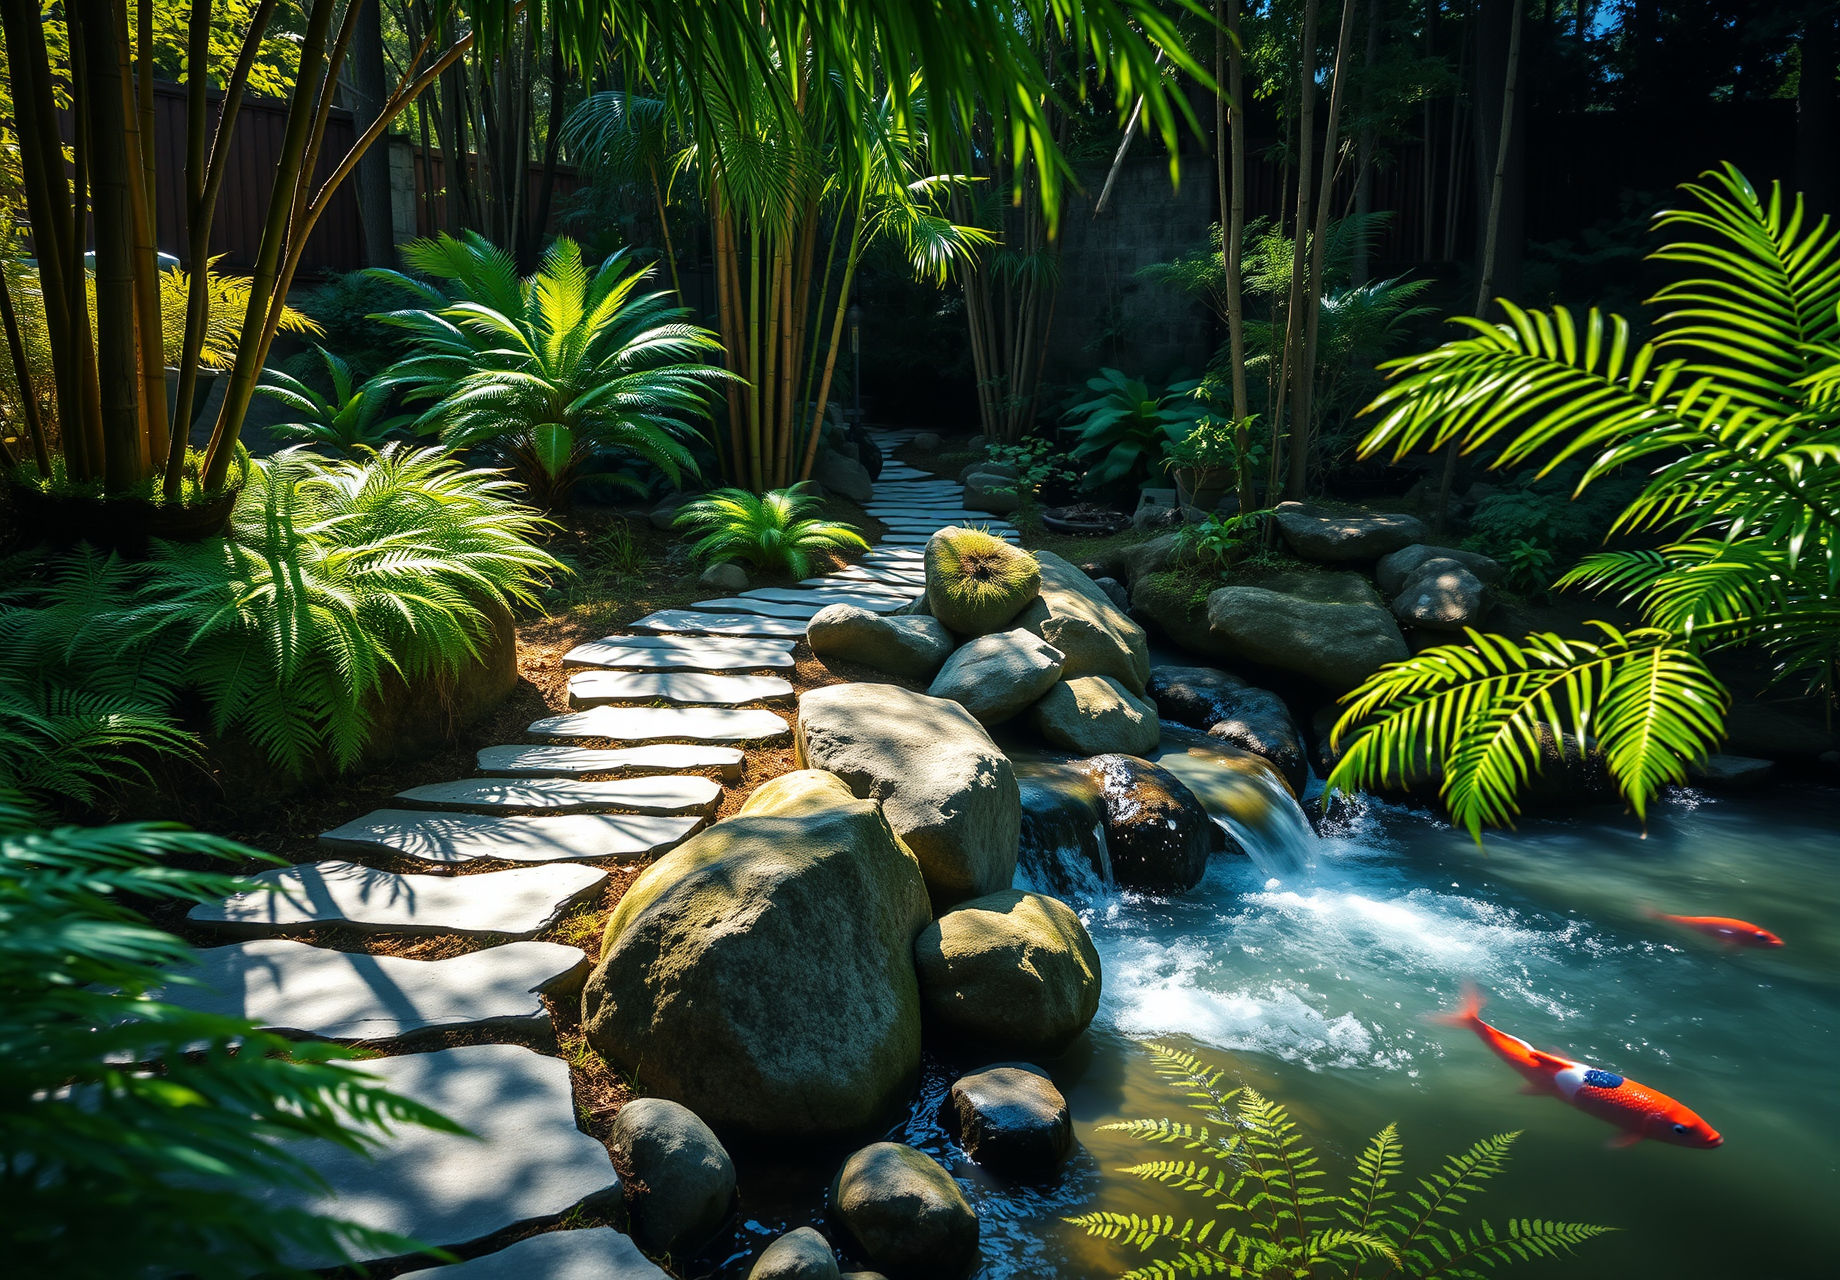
(772, 531)
(1249, 1160)
(166, 1124)
(350, 420)
(1730, 413)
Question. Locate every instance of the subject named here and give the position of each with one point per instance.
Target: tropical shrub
(166, 1124)
(771, 531)
(544, 371)
(1253, 1163)
(352, 419)
(1124, 425)
(1728, 416)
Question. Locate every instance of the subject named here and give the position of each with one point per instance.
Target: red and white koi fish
(1640, 1112)
(1737, 933)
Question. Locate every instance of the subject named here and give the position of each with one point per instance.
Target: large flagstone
(663, 724)
(691, 622)
(464, 837)
(592, 1253)
(662, 794)
(681, 653)
(590, 688)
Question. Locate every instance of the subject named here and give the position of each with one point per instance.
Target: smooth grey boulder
(1259, 721)
(1338, 537)
(797, 1255)
(905, 1214)
(762, 974)
(1156, 555)
(592, 1253)
(1094, 715)
(687, 1177)
(844, 476)
(522, 1159)
(928, 441)
(1199, 697)
(1157, 832)
(1115, 592)
(725, 576)
(1011, 1119)
(664, 515)
(1003, 470)
(1011, 972)
(1337, 636)
(946, 789)
(997, 677)
(1442, 595)
(1391, 572)
(1075, 615)
(996, 494)
(907, 645)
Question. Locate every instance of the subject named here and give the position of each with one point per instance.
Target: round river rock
(906, 1216)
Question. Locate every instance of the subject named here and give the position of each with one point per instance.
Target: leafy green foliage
(138, 1137)
(1127, 421)
(1727, 417)
(548, 369)
(350, 420)
(346, 308)
(1250, 1160)
(771, 531)
(1219, 541)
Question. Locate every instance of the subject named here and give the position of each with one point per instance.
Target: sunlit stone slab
(681, 653)
(668, 793)
(517, 903)
(910, 583)
(462, 837)
(590, 688)
(690, 622)
(665, 724)
(833, 592)
(596, 1253)
(763, 608)
(574, 762)
(305, 990)
(521, 1158)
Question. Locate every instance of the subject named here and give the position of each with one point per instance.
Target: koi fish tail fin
(1466, 1014)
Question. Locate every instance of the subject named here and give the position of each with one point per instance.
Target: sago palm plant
(349, 420)
(548, 369)
(1731, 412)
(771, 531)
(1249, 1160)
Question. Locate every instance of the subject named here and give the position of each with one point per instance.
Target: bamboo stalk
(1294, 317)
(769, 385)
(755, 474)
(28, 394)
(148, 322)
(830, 358)
(76, 274)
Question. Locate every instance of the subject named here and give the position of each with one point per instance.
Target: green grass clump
(976, 582)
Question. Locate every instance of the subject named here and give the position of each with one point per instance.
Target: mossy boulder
(761, 973)
(1011, 972)
(976, 582)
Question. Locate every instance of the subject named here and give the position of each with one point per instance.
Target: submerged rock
(1156, 830)
(905, 1214)
(1012, 972)
(901, 646)
(1093, 715)
(797, 1255)
(1011, 1119)
(1258, 720)
(761, 973)
(1200, 697)
(996, 677)
(688, 1179)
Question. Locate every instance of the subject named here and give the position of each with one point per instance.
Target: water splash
(1106, 878)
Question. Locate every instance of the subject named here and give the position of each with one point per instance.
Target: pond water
(1312, 983)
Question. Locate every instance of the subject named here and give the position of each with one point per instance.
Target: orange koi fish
(1737, 933)
(1640, 1112)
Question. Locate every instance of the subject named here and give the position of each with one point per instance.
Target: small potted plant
(1205, 463)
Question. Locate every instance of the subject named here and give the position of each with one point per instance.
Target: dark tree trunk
(369, 93)
(1494, 27)
(1814, 112)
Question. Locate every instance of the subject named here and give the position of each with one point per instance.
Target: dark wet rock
(1329, 627)
(993, 493)
(1011, 1119)
(1114, 591)
(996, 677)
(762, 973)
(1012, 972)
(844, 476)
(905, 1214)
(901, 646)
(1006, 470)
(1442, 595)
(1345, 537)
(1258, 720)
(1094, 715)
(929, 442)
(1731, 772)
(945, 788)
(1063, 828)
(688, 1179)
(1772, 733)
(797, 1255)
(1323, 753)
(1199, 697)
(1391, 573)
(1156, 831)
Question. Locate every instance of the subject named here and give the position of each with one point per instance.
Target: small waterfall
(1247, 799)
(1107, 879)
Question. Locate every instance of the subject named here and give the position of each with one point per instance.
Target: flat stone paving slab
(526, 1159)
(589, 688)
(658, 793)
(306, 990)
(836, 592)
(463, 837)
(663, 724)
(574, 762)
(681, 653)
(782, 609)
(597, 1253)
(517, 903)
(690, 622)
(916, 581)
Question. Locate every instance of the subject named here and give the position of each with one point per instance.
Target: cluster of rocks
(1008, 635)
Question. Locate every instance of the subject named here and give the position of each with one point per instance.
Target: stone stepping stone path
(596, 1253)
(835, 592)
(665, 724)
(467, 837)
(525, 1160)
(689, 621)
(656, 794)
(591, 688)
(304, 990)
(520, 903)
(802, 612)
(681, 653)
(575, 762)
